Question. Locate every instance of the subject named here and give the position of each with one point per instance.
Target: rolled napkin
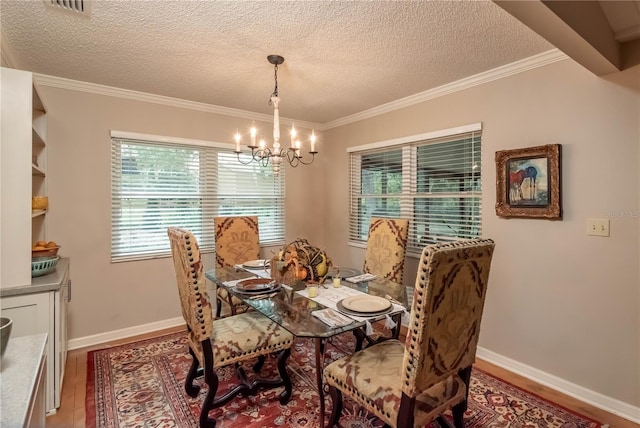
(361, 278)
(332, 318)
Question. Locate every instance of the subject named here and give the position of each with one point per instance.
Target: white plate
(366, 304)
(255, 263)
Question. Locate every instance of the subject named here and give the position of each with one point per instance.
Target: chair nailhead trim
(270, 348)
(364, 398)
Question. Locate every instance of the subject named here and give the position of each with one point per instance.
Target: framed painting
(528, 182)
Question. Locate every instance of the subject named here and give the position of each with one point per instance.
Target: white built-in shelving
(38, 305)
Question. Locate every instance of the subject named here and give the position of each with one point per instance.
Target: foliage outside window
(433, 182)
(155, 185)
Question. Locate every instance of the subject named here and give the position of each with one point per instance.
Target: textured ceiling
(341, 57)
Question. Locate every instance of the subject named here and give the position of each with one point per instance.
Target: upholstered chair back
(384, 256)
(194, 299)
(237, 240)
(444, 326)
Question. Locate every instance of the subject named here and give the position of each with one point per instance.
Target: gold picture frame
(528, 182)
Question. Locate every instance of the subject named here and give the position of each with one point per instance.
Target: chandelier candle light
(264, 155)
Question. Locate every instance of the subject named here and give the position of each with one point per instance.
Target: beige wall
(559, 301)
(111, 296)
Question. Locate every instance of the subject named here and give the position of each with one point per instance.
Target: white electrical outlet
(598, 226)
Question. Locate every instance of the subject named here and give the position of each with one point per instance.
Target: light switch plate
(598, 226)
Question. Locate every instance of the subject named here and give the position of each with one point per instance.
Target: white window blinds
(155, 185)
(434, 182)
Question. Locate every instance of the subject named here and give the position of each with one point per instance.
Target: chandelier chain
(275, 79)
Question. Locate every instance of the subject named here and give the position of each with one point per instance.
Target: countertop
(19, 373)
(39, 284)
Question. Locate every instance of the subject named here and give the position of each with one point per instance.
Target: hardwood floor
(72, 409)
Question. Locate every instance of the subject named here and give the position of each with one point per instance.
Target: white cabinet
(30, 313)
(41, 307)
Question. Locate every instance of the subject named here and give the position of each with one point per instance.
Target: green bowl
(43, 265)
(5, 332)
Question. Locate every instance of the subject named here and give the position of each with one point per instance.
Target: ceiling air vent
(79, 6)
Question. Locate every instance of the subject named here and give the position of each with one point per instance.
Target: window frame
(409, 146)
(207, 242)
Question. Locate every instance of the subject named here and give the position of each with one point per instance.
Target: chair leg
(336, 409)
(258, 365)
(191, 389)
(458, 414)
(405, 413)
(242, 376)
(465, 375)
(211, 379)
(359, 338)
(443, 422)
(459, 409)
(218, 307)
(285, 395)
(207, 405)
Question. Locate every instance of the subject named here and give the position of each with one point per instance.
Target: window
(433, 179)
(157, 184)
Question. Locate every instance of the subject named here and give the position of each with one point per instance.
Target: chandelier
(275, 154)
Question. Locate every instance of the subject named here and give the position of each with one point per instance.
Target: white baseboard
(124, 333)
(611, 405)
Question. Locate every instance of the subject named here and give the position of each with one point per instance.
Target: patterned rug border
(538, 396)
(90, 400)
(90, 396)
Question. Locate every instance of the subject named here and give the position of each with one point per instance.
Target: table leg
(319, 369)
(230, 301)
(397, 318)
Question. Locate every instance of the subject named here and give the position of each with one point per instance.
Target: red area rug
(141, 384)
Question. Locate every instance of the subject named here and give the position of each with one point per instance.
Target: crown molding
(535, 61)
(526, 64)
(420, 137)
(93, 88)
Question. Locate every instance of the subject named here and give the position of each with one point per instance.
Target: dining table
(291, 307)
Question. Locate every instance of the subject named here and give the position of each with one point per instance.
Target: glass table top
(292, 310)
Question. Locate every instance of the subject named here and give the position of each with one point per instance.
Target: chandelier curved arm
(261, 156)
(294, 159)
(240, 160)
(313, 156)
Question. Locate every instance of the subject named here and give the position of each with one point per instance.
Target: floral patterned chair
(384, 258)
(237, 241)
(222, 342)
(412, 383)
(386, 245)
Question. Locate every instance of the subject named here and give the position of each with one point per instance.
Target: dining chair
(386, 243)
(384, 258)
(237, 241)
(412, 383)
(233, 340)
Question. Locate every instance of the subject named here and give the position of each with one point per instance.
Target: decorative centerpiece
(299, 262)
